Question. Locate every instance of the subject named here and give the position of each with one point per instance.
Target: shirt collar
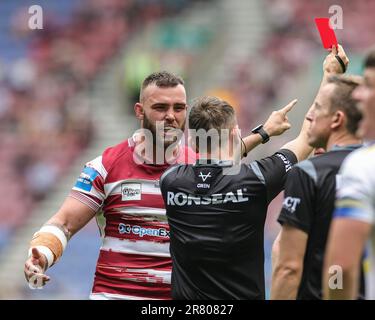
(221, 163)
(349, 147)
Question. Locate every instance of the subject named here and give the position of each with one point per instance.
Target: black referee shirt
(309, 201)
(216, 225)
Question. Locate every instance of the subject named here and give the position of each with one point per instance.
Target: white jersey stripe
(147, 186)
(142, 211)
(112, 296)
(97, 164)
(93, 192)
(136, 247)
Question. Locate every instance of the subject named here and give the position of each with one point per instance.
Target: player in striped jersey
(121, 188)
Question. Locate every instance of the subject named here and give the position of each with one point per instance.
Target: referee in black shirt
(310, 190)
(217, 219)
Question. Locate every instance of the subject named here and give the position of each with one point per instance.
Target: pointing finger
(289, 106)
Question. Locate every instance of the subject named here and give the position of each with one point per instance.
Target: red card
(327, 34)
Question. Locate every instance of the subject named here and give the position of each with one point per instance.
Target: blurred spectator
(40, 132)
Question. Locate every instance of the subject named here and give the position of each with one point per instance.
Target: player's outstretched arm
(276, 124)
(331, 66)
(346, 241)
(49, 242)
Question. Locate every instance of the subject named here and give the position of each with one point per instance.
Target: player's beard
(159, 137)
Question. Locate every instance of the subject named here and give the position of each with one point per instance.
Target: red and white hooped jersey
(134, 260)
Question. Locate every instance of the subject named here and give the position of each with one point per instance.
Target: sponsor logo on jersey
(203, 186)
(287, 163)
(204, 176)
(141, 232)
(86, 178)
(291, 203)
(183, 199)
(130, 191)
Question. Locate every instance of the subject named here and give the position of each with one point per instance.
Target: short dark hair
(370, 59)
(162, 79)
(342, 99)
(211, 113)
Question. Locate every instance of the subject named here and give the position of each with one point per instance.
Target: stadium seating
(40, 71)
(42, 132)
(289, 47)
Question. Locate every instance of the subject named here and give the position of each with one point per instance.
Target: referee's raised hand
(278, 121)
(336, 61)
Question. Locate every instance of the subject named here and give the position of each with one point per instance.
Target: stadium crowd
(288, 48)
(38, 84)
(41, 88)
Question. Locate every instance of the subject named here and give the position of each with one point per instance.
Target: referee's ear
(139, 112)
(338, 120)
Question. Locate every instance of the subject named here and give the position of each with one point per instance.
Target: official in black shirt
(216, 217)
(310, 191)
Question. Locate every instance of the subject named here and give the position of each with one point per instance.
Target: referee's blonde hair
(342, 99)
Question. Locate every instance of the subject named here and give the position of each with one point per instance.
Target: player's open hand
(34, 269)
(332, 62)
(278, 121)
